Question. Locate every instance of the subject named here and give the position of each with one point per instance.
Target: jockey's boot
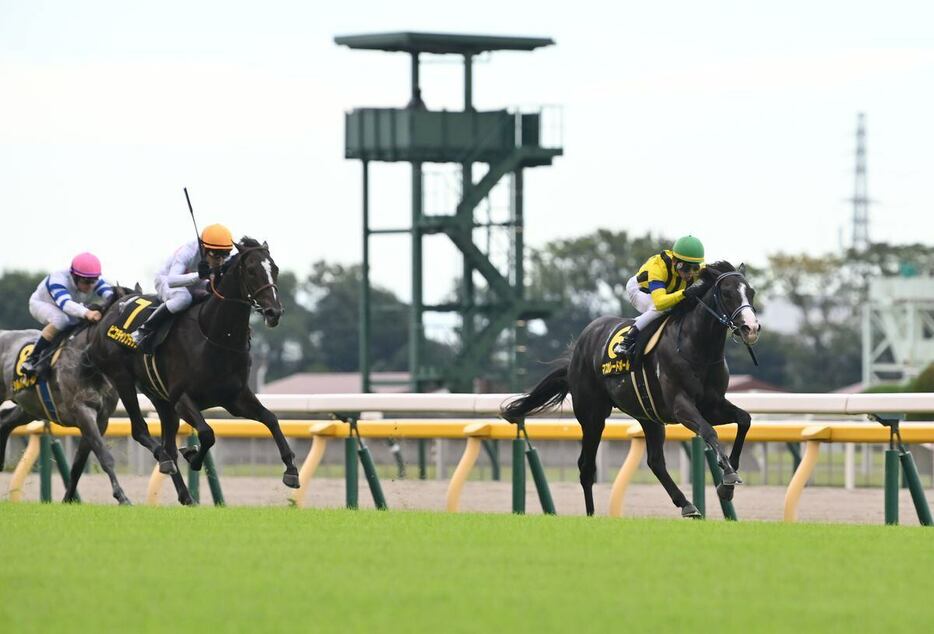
(628, 344)
(143, 335)
(30, 366)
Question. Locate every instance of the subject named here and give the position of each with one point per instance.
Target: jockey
(190, 266)
(662, 282)
(59, 301)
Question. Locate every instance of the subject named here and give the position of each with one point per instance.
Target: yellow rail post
(320, 432)
(155, 485)
(475, 435)
(624, 477)
(813, 435)
(24, 466)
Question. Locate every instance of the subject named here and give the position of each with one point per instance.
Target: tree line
(584, 277)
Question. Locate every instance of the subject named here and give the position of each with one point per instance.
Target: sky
(733, 121)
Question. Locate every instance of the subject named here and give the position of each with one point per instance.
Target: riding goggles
(217, 253)
(86, 280)
(681, 265)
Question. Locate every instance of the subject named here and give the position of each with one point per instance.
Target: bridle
(250, 300)
(720, 313)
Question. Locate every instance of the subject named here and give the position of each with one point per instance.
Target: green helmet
(688, 249)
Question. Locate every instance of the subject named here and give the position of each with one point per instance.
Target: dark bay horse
(204, 362)
(690, 376)
(80, 396)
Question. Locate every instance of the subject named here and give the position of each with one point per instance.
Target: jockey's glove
(695, 290)
(204, 269)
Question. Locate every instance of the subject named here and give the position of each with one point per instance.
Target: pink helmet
(86, 265)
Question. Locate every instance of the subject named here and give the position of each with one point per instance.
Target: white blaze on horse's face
(749, 319)
(267, 266)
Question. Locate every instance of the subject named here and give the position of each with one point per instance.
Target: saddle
(615, 363)
(45, 362)
(134, 311)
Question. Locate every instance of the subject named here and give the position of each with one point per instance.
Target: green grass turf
(211, 570)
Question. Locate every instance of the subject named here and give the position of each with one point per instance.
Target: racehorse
(203, 362)
(80, 397)
(686, 371)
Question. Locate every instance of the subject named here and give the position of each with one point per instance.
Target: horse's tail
(549, 393)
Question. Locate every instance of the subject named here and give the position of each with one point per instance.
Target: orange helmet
(217, 237)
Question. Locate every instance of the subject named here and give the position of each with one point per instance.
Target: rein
(727, 322)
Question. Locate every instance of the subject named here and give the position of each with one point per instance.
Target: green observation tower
(499, 145)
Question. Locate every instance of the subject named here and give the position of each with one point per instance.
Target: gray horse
(84, 398)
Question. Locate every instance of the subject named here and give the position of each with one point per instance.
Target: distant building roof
(749, 383)
(335, 383)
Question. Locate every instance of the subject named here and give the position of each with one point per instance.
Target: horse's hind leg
(655, 456)
(169, 419)
(77, 468)
(591, 411)
(246, 405)
(10, 420)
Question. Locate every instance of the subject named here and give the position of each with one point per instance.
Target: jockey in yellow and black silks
(663, 281)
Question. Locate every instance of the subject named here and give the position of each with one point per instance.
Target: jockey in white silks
(189, 267)
(59, 301)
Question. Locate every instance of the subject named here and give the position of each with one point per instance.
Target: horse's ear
(742, 268)
(265, 245)
(137, 288)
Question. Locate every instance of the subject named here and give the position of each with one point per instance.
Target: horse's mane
(712, 271)
(246, 242)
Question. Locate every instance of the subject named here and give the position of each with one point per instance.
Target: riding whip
(195, 223)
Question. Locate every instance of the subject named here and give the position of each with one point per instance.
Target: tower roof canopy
(441, 43)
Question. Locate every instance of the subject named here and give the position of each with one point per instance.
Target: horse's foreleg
(10, 420)
(246, 405)
(724, 413)
(688, 414)
(93, 440)
(169, 419)
(655, 457)
(126, 388)
(186, 407)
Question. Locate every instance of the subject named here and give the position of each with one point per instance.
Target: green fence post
(214, 482)
(698, 474)
(62, 462)
(910, 471)
(422, 459)
(350, 467)
(717, 474)
(194, 478)
(795, 454)
(891, 486)
(518, 475)
(541, 483)
(492, 450)
(45, 466)
(372, 479)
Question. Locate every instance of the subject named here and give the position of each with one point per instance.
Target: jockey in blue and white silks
(189, 266)
(59, 301)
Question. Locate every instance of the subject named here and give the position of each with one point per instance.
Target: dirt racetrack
(818, 504)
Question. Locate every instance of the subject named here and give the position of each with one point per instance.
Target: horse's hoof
(186, 501)
(690, 511)
(167, 467)
(188, 453)
(731, 479)
(70, 500)
(725, 492)
(124, 501)
(290, 480)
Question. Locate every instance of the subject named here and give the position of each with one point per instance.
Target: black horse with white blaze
(687, 370)
(204, 362)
